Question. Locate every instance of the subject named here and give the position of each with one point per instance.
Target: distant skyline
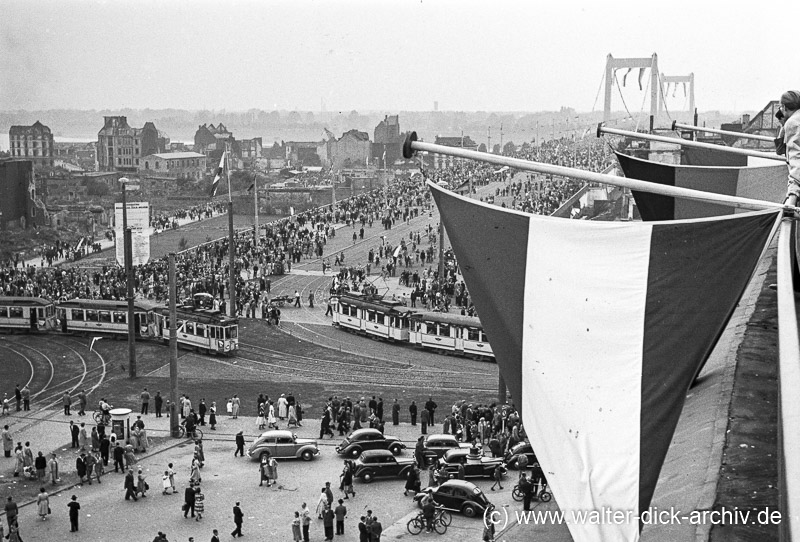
(391, 55)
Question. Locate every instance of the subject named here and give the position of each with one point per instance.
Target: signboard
(140, 249)
(138, 216)
(139, 223)
(118, 428)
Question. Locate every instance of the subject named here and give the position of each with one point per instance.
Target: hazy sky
(388, 55)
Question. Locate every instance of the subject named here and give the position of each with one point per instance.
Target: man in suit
(376, 529)
(238, 517)
(73, 430)
(363, 534)
(215, 538)
(189, 500)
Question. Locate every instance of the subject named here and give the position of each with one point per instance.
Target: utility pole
(489, 141)
(128, 250)
(255, 203)
(173, 349)
(501, 138)
(231, 246)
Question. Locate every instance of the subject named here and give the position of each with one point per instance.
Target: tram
(27, 313)
(450, 333)
(200, 326)
(105, 316)
(372, 316)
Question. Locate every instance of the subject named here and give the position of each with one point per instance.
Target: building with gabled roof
(34, 143)
(120, 147)
(176, 165)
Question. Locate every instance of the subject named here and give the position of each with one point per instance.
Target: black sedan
(475, 465)
(381, 464)
(457, 496)
(368, 439)
(521, 448)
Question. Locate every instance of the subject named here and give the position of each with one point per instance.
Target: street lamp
(128, 249)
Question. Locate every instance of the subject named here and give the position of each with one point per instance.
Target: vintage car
(368, 439)
(381, 464)
(283, 444)
(521, 448)
(475, 465)
(435, 446)
(457, 496)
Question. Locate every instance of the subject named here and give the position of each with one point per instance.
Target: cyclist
(428, 512)
(105, 408)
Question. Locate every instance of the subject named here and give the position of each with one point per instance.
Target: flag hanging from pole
(599, 329)
(218, 175)
(766, 183)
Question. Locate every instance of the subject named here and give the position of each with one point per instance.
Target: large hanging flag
(598, 330)
(218, 175)
(766, 183)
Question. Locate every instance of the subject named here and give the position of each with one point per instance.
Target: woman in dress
(43, 503)
(296, 535)
(195, 471)
(235, 404)
(271, 418)
(136, 435)
(282, 406)
(199, 503)
(261, 421)
(95, 439)
(141, 483)
(292, 413)
(54, 469)
(212, 416)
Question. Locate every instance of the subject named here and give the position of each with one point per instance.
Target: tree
(482, 147)
(509, 148)
(496, 148)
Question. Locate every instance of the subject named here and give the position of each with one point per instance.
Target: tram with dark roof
(450, 333)
(372, 316)
(26, 313)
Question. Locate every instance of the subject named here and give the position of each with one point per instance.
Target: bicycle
(542, 495)
(100, 417)
(197, 434)
(440, 522)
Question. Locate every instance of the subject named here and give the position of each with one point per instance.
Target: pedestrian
(321, 502)
(188, 500)
(328, 494)
(305, 515)
(171, 473)
(130, 486)
(43, 504)
(201, 410)
(212, 416)
(83, 438)
(395, 413)
(526, 488)
(82, 403)
(27, 454)
(88, 464)
(347, 480)
(119, 454)
(54, 479)
(238, 518)
(19, 460)
(105, 445)
(296, 298)
(8, 441)
(166, 484)
(73, 506)
(327, 522)
(497, 476)
(239, 444)
(141, 483)
(214, 536)
(6, 405)
(363, 534)
(425, 416)
(340, 513)
(41, 467)
(95, 440)
(235, 405)
(311, 299)
(26, 397)
(159, 402)
(376, 530)
(80, 466)
(11, 511)
(199, 503)
(296, 536)
(74, 431)
(66, 400)
(145, 396)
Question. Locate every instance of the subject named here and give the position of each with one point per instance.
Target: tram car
(450, 333)
(372, 316)
(27, 313)
(106, 316)
(200, 326)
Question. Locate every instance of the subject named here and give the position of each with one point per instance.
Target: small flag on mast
(218, 175)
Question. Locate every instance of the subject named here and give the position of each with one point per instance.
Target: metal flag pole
(685, 143)
(411, 145)
(127, 239)
(173, 349)
(231, 245)
(676, 125)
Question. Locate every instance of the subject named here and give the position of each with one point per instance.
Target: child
(171, 474)
(166, 483)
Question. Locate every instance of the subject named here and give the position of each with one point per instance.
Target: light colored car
(281, 445)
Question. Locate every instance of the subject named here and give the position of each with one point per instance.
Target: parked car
(457, 496)
(381, 464)
(475, 465)
(435, 446)
(283, 444)
(368, 439)
(521, 448)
